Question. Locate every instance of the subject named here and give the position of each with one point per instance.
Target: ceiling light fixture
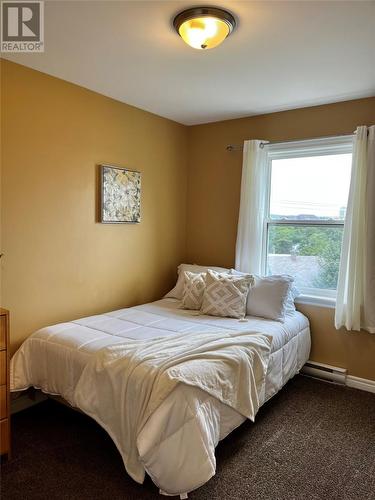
(204, 27)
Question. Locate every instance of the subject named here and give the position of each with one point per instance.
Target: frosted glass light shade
(204, 27)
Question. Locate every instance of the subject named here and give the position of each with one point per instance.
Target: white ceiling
(282, 55)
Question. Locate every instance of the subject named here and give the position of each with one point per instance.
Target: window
(305, 213)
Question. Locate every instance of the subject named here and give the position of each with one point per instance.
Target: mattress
(176, 446)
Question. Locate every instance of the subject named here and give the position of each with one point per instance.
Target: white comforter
(122, 386)
(176, 445)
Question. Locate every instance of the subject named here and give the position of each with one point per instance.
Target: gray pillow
(270, 297)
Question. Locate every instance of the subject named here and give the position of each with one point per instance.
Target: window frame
(299, 149)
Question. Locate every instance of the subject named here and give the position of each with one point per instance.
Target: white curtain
(252, 207)
(355, 303)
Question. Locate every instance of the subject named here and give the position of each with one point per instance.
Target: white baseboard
(333, 374)
(360, 383)
(337, 375)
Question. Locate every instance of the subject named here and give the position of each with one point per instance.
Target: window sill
(314, 300)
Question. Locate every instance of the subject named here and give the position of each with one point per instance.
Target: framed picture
(120, 195)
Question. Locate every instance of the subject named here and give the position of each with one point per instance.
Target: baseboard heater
(326, 372)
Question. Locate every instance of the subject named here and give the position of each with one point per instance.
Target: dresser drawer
(4, 436)
(3, 401)
(3, 332)
(3, 367)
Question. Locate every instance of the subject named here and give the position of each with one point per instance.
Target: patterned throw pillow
(194, 284)
(178, 290)
(225, 295)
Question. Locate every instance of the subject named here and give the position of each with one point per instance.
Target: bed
(176, 446)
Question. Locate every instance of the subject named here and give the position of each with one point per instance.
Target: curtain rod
(237, 147)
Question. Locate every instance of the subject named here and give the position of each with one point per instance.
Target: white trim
(325, 372)
(315, 300)
(363, 384)
(311, 147)
(266, 217)
(334, 374)
(317, 364)
(297, 149)
(305, 222)
(324, 293)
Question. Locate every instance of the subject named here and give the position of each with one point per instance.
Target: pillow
(226, 294)
(290, 306)
(270, 296)
(194, 284)
(178, 290)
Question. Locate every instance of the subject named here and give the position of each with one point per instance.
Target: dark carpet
(312, 441)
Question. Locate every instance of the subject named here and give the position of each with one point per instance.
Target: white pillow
(178, 290)
(225, 294)
(270, 297)
(290, 306)
(194, 285)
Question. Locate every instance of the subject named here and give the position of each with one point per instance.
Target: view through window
(305, 221)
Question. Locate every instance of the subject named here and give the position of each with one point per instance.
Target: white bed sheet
(177, 444)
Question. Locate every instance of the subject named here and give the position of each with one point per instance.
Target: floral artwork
(121, 195)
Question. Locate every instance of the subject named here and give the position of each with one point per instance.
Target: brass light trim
(196, 13)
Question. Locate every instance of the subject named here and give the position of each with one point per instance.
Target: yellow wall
(59, 263)
(213, 203)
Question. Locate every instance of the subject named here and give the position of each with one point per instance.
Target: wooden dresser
(4, 383)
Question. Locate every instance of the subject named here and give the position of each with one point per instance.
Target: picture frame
(120, 195)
